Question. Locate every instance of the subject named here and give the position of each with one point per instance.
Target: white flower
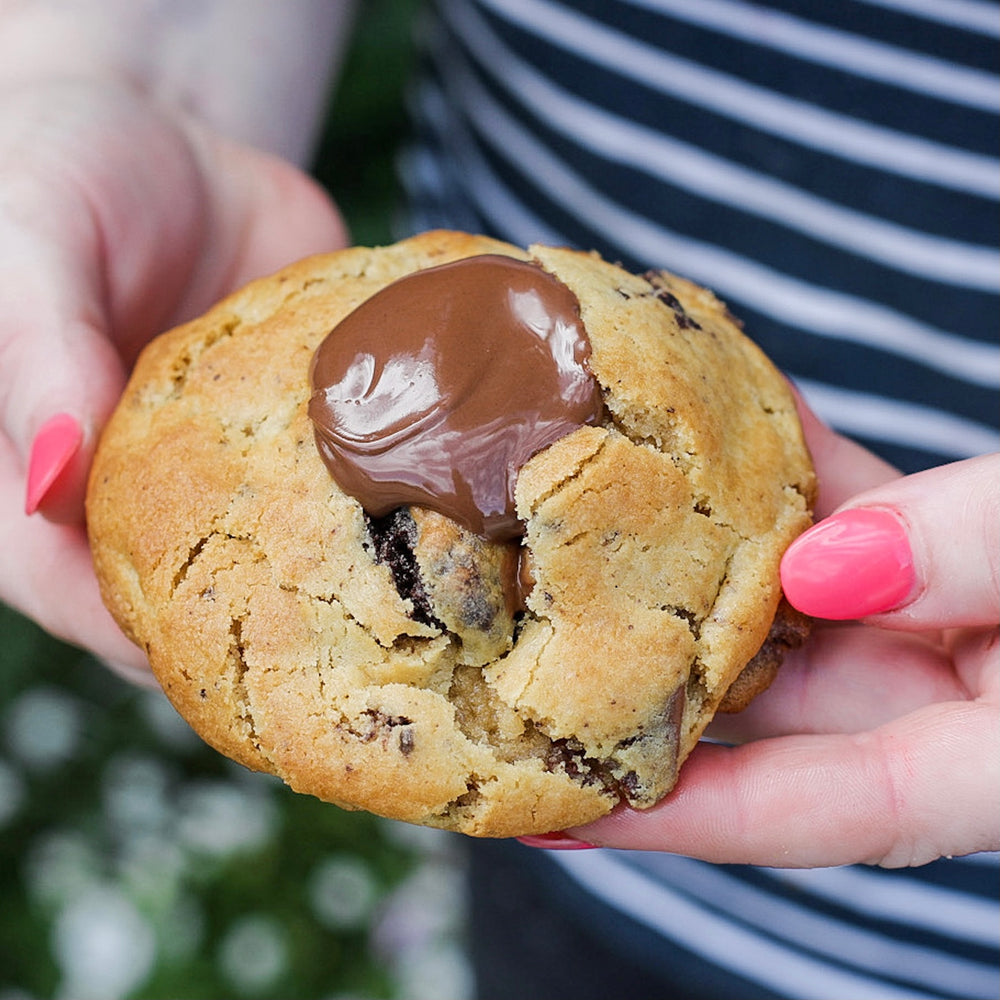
(103, 946)
(342, 891)
(43, 727)
(219, 819)
(254, 954)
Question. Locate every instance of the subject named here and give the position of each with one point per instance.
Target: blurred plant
(136, 862)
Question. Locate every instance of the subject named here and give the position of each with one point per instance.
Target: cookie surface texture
(377, 665)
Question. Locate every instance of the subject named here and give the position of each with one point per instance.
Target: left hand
(102, 251)
(878, 742)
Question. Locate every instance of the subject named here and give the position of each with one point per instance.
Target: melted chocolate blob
(437, 390)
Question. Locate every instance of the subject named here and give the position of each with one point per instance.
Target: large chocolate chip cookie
(391, 661)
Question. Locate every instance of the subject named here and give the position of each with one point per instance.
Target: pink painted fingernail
(853, 564)
(556, 841)
(55, 444)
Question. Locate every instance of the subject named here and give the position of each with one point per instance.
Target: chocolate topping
(436, 390)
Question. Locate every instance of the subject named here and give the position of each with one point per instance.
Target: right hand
(878, 741)
(118, 219)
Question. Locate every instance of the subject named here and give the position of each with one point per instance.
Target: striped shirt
(831, 170)
(726, 141)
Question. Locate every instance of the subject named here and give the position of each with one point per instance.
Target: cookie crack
(241, 668)
(186, 565)
(723, 578)
(689, 617)
(468, 801)
(196, 550)
(188, 360)
(572, 474)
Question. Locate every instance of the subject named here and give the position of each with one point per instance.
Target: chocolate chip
(394, 537)
(629, 785)
(477, 610)
(378, 725)
(684, 321)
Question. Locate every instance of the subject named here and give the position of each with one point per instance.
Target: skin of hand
(878, 742)
(120, 216)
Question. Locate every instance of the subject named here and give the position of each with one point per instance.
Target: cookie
(399, 661)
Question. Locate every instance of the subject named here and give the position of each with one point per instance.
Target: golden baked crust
(270, 611)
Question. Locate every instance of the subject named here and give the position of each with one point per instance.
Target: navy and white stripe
(842, 932)
(831, 169)
(659, 132)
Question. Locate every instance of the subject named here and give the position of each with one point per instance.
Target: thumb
(920, 552)
(62, 377)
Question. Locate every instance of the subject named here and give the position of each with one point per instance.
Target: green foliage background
(214, 882)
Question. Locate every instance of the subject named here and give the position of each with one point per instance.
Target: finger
(103, 253)
(847, 679)
(920, 552)
(269, 212)
(919, 788)
(46, 573)
(92, 261)
(976, 654)
(843, 467)
(100, 252)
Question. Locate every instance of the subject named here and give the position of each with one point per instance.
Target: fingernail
(557, 841)
(55, 444)
(854, 564)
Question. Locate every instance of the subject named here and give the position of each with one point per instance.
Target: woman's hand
(879, 741)
(119, 217)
